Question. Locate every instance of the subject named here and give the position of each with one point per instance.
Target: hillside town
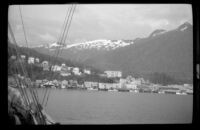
(119, 84)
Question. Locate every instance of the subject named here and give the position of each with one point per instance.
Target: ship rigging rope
(32, 92)
(64, 25)
(14, 71)
(24, 31)
(24, 72)
(20, 83)
(67, 26)
(15, 47)
(60, 49)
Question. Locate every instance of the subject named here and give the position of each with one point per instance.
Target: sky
(43, 23)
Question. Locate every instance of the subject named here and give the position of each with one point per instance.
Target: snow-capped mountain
(184, 26)
(157, 32)
(157, 52)
(101, 44)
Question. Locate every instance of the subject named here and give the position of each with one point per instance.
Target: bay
(100, 107)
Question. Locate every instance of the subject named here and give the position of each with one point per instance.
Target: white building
(13, 57)
(64, 83)
(63, 65)
(69, 68)
(76, 71)
(45, 65)
(31, 60)
(37, 60)
(87, 71)
(131, 86)
(56, 68)
(65, 73)
(109, 85)
(90, 84)
(113, 74)
(23, 56)
(102, 85)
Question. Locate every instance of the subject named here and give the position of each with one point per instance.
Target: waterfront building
(31, 60)
(64, 83)
(102, 85)
(131, 86)
(122, 82)
(88, 84)
(62, 73)
(113, 74)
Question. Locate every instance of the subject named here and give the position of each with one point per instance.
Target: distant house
(65, 73)
(31, 60)
(131, 86)
(56, 68)
(23, 56)
(106, 85)
(64, 83)
(88, 84)
(69, 68)
(86, 71)
(76, 71)
(37, 60)
(122, 82)
(113, 74)
(63, 65)
(13, 57)
(45, 65)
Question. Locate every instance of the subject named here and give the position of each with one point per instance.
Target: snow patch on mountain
(100, 44)
(157, 32)
(55, 44)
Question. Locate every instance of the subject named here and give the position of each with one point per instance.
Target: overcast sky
(43, 23)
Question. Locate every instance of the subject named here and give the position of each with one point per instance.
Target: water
(99, 107)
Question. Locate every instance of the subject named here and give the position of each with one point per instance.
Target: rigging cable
(12, 35)
(35, 100)
(64, 24)
(64, 41)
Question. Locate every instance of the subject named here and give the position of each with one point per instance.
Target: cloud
(96, 21)
(47, 37)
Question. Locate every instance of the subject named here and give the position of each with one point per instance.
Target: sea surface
(101, 107)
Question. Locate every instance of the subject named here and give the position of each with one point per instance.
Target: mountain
(101, 44)
(30, 52)
(157, 32)
(163, 52)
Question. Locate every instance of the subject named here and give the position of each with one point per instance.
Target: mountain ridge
(170, 52)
